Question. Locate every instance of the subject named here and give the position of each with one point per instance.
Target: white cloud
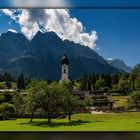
(29, 25)
(12, 30)
(56, 20)
(9, 12)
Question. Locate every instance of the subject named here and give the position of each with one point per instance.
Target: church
(65, 69)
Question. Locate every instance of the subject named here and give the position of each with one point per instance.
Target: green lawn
(80, 122)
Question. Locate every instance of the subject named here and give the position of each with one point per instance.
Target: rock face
(41, 56)
(119, 64)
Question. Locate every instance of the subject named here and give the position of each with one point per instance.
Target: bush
(7, 109)
(1, 117)
(2, 98)
(4, 117)
(6, 97)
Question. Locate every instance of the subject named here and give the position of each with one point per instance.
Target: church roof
(64, 60)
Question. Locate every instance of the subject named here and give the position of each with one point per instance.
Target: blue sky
(118, 30)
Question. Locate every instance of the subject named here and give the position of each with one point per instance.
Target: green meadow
(80, 122)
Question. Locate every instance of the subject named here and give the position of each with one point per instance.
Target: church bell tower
(65, 69)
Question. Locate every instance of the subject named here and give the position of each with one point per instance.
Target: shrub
(7, 96)
(2, 98)
(4, 116)
(7, 109)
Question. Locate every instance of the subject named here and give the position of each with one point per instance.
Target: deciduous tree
(134, 100)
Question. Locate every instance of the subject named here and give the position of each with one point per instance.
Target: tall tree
(93, 81)
(46, 97)
(17, 101)
(124, 85)
(20, 82)
(71, 104)
(36, 96)
(137, 83)
(52, 104)
(100, 83)
(7, 77)
(134, 100)
(133, 75)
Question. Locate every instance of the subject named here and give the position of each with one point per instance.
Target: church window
(64, 70)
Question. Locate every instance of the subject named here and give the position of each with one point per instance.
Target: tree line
(122, 82)
(21, 80)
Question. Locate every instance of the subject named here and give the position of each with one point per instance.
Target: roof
(64, 60)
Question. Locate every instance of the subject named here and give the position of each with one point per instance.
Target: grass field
(80, 122)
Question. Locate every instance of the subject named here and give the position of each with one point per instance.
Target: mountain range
(41, 56)
(119, 64)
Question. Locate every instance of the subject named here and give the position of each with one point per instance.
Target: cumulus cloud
(9, 12)
(57, 20)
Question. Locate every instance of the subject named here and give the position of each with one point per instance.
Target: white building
(65, 69)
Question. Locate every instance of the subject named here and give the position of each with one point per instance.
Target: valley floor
(80, 122)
